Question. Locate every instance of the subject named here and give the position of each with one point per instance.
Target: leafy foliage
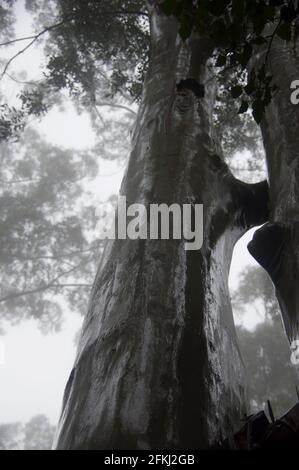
(46, 230)
(37, 434)
(6, 18)
(10, 436)
(238, 29)
(271, 375)
(96, 40)
(237, 131)
(11, 122)
(98, 51)
(108, 41)
(265, 349)
(255, 286)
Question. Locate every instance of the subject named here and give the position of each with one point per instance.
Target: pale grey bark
(276, 245)
(158, 365)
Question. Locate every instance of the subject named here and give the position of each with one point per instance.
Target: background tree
(49, 243)
(10, 436)
(37, 434)
(265, 348)
(46, 248)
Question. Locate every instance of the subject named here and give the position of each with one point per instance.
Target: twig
(271, 40)
(49, 285)
(112, 105)
(34, 39)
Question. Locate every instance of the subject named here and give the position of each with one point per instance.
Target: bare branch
(21, 257)
(13, 41)
(24, 82)
(49, 285)
(34, 39)
(72, 285)
(120, 106)
(272, 36)
(18, 181)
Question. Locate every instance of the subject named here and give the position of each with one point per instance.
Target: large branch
(58, 257)
(115, 105)
(53, 284)
(252, 202)
(267, 247)
(73, 285)
(248, 203)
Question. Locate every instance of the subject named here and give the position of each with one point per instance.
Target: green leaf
(258, 110)
(236, 91)
(250, 88)
(288, 13)
(285, 32)
(238, 8)
(244, 107)
(276, 3)
(270, 12)
(236, 32)
(217, 7)
(221, 60)
(186, 26)
(246, 55)
(168, 7)
(218, 31)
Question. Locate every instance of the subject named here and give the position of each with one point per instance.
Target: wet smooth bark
(276, 245)
(158, 365)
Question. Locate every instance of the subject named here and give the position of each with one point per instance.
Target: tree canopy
(45, 239)
(98, 50)
(239, 30)
(36, 434)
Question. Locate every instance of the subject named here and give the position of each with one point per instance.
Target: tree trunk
(275, 246)
(158, 365)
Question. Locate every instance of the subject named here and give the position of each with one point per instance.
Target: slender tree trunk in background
(276, 245)
(158, 364)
